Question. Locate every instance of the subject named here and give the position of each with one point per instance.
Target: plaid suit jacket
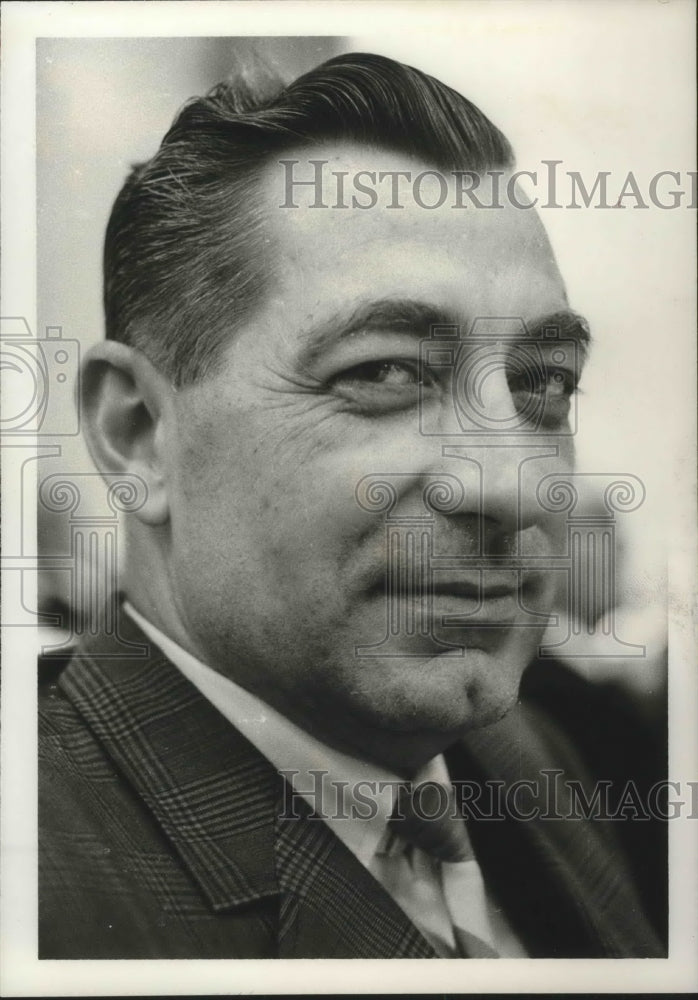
(162, 836)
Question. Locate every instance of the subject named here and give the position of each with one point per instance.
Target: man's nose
(499, 479)
(498, 470)
(481, 389)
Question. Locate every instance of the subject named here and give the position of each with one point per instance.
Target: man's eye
(544, 394)
(550, 381)
(382, 386)
(395, 373)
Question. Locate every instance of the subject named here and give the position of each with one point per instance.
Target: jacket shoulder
(623, 743)
(111, 884)
(615, 733)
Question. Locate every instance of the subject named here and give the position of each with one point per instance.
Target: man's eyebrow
(418, 319)
(407, 316)
(562, 325)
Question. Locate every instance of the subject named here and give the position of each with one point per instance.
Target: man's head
(187, 258)
(269, 369)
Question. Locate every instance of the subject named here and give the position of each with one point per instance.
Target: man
(267, 307)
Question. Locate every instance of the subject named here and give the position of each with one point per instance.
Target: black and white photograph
(348, 452)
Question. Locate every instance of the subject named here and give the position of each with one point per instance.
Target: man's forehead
(382, 191)
(329, 260)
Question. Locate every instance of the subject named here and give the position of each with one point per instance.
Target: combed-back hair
(185, 262)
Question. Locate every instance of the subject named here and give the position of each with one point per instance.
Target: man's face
(280, 572)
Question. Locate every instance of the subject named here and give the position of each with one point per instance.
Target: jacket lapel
(333, 907)
(220, 803)
(562, 882)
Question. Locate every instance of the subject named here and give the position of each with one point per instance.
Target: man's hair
(185, 260)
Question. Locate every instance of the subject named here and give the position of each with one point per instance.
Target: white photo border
(22, 973)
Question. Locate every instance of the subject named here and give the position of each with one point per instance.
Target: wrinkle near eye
(278, 379)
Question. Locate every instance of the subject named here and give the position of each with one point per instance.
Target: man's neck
(404, 754)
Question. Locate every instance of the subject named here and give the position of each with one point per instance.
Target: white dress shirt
(416, 881)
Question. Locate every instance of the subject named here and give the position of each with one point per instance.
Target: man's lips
(477, 586)
(475, 589)
(499, 597)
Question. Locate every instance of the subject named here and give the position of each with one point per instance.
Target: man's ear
(126, 403)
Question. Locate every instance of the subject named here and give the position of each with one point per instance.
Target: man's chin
(445, 693)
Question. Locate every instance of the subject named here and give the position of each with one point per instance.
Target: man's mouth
(493, 598)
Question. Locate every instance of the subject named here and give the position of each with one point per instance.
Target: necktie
(425, 816)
